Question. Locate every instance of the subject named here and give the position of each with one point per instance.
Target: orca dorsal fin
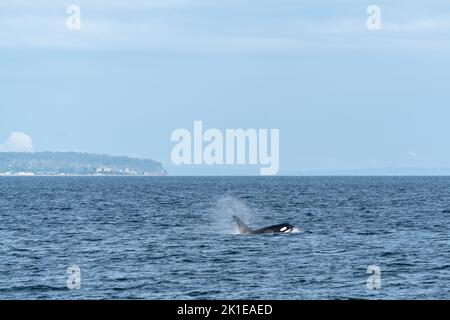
(243, 228)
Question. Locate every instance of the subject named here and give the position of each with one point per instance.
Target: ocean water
(173, 237)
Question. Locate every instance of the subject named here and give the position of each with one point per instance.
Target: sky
(343, 97)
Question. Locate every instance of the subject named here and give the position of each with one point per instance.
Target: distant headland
(75, 163)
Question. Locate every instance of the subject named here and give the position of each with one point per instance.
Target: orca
(279, 228)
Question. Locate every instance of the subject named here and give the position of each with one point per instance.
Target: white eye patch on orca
(283, 229)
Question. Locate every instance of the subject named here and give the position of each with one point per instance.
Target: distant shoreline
(22, 164)
(225, 176)
(77, 175)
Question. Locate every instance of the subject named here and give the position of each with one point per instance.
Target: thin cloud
(17, 142)
(437, 24)
(200, 31)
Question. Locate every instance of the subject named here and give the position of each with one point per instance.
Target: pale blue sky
(343, 97)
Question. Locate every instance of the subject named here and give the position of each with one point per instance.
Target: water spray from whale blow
(226, 207)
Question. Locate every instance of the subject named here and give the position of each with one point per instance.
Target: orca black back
(279, 228)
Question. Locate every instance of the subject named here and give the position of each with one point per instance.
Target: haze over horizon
(344, 97)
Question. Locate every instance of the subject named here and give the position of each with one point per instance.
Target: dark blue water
(173, 238)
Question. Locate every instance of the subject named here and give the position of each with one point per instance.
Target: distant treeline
(49, 163)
